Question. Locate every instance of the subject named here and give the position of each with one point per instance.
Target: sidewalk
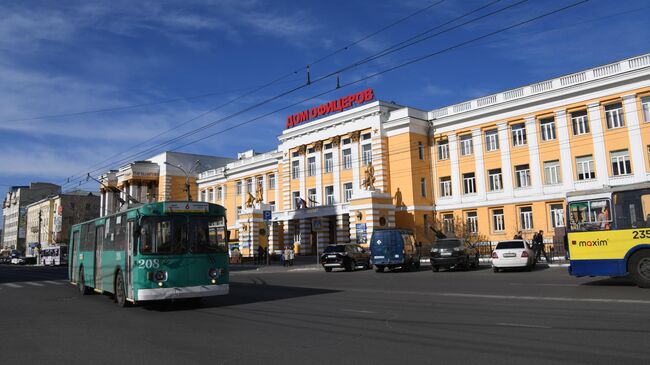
(300, 263)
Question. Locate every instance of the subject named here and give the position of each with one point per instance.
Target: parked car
(348, 256)
(5, 260)
(513, 253)
(453, 252)
(18, 260)
(392, 248)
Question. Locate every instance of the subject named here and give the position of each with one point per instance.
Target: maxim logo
(589, 243)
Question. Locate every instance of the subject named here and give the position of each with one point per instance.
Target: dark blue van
(392, 248)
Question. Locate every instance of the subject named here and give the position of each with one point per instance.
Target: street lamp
(187, 176)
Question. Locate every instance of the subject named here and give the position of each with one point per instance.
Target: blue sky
(66, 57)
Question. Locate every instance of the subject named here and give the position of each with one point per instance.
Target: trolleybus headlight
(160, 276)
(213, 273)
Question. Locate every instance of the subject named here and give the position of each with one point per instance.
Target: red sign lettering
(333, 106)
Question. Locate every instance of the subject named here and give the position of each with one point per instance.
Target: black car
(455, 252)
(349, 257)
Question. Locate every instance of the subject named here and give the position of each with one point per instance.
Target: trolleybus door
(99, 248)
(129, 260)
(74, 248)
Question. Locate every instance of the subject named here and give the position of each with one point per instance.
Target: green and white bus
(155, 251)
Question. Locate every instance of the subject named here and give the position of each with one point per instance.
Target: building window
(295, 169)
(203, 196)
(347, 158)
(220, 193)
(366, 154)
(614, 116)
(346, 141)
(557, 215)
(329, 195)
(469, 183)
(526, 218)
(518, 134)
(272, 206)
(347, 191)
(492, 140)
(272, 181)
(522, 172)
(448, 222)
(580, 122)
(472, 222)
(249, 186)
(211, 195)
(365, 136)
(329, 163)
(311, 196)
(311, 150)
(648, 147)
(421, 150)
(445, 186)
(311, 166)
(295, 199)
(547, 126)
(620, 163)
(327, 146)
(443, 150)
(466, 147)
(585, 167)
(237, 212)
(498, 223)
(423, 187)
(239, 187)
(552, 172)
(645, 107)
(495, 180)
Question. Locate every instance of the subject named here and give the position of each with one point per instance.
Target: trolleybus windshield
(178, 234)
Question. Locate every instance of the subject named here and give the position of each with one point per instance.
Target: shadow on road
(240, 293)
(22, 273)
(618, 281)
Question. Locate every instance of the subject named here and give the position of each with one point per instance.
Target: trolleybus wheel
(83, 289)
(639, 268)
(120, 291)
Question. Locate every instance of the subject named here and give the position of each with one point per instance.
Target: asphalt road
(304, 315)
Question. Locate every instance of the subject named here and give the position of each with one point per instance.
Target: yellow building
(502, 163)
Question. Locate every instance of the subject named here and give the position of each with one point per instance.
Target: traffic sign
(267, 215)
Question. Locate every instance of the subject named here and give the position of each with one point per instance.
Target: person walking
(538, 241)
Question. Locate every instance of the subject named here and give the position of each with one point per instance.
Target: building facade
(499, 164)
(14, 211)
(49, 220)
(160, 178)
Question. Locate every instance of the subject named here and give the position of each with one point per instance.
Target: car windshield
(182, 234)
(334, 249)
(510, 245)
(447, 244)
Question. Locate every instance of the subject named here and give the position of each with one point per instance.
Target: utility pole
(196, 164)
(38, 245)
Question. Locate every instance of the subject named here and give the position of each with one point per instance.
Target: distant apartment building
(160, 178)
(49, 220)
(14, 211)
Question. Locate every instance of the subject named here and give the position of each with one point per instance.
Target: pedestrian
(291, 257)
(286, 256)
(260, 254)
(518, 236)
(539, 241)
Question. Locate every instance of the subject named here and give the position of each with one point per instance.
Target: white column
(102, 203)
(506, 167)
(533, 153)
(566, 163)
(600, 156)
(243, 192)
(265, 188)
(278, 188)
(143, 193)
(477, 139)
(455, 168)
(356, 178)
(337, 173)
(109, 207)
(637, 153)
(319, 178)
(303, 176)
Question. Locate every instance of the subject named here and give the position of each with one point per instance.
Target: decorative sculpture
(259, 192)
(368, 182)
(250, 200)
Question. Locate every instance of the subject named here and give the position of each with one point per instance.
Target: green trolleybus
(155, 251)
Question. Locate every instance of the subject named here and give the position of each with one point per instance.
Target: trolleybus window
(590, 215)
(180, 234)
(632, 209)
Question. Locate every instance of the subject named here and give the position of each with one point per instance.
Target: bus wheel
(639, 268)
(83, 289)
(120, 291)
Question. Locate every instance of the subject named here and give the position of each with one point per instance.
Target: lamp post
(187, 176)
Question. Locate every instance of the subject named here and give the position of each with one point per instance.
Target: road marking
(12, 285)
(528, 284)
(53, 282)
(553, 299)
(522, 325)
(357, 311)
(33, 283)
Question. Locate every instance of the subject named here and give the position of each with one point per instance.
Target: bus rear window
(632, 209)
(590, 215)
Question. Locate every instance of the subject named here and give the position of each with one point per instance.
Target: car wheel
(495, 269)
(417, 264)
(639, 268)
(435, 268)
(328, 269)
(477, 263)
(379, 268)
(120, 290)
(466, 266)
(83, 289)
(350, 265)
